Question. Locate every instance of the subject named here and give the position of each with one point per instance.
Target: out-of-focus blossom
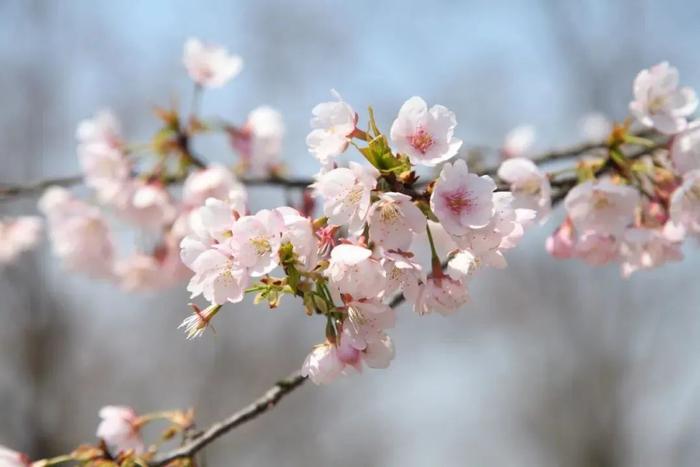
(346, 194)
(332, 123)
(425, 135)
(103, 129)
(597, 249)
(17, 235)
(659, 102)
(462, 200)
(393, 220)
(10, 458)
(595, 126)
(685, 203)
(78, 232)
(648, 248)
(529, 185)
(147, 205)
(210, 65)
(685, 149)
(214, 181)
(518, 141)
(562, 242)
(259, 141)
(120, 429)
(601, 206)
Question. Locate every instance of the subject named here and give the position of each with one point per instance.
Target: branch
(252, 411)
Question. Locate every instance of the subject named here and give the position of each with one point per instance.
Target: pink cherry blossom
(462, 200)
(601, 206)
(103, 129)
(354, 272)
(346, 194)
(17, 235)
(647, 248)
(597, 249)
(425, 135)
(659, 102)
(10, 458)
(366, 322)
(401, 270)
(393, 220)
(332, 123)
(120, 429)
(685, 203)
(210, 65)
(78, 232)
(562, 242)
(322, 365)
(529, 185)
(685, 149)
(595, 126)
(299, 231)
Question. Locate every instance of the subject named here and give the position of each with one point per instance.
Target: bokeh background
(552, 364)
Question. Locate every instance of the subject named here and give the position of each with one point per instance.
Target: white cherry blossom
(685, 149)
(210, 65)
(647, 248)
(322, 365)
(393, 220)
(518, 141)
(214, 181)
(216, 278)
(659, 102)
(529, 185)
(601, 206)
(346, 194)
(255, 242)
(354, 272)
(332, 123)
(425, 135)
(10, 458)
(685, 203)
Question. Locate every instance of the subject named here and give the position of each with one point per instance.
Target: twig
(257, 408)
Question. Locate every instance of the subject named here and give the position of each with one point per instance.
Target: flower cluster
(381, 233)
(152, 188)
(636, 208)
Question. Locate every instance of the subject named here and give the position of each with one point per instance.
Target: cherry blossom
(255, 242)
(210, 65)
(518, 141)
(648, 248)
(354, 272)
(103, 129)
(17, 235)
(322, 365)
(195, 324)
(685, 203)
(601, 206)
(332, 124)
(562, 242)
(78, 232)
(529, 185)
(259, 142)
(443, 294)
(393, 220)
(299, 231)
(462, 200)
(10, 458)
(401, 270)
(120, 429)
(216, 278)
(685, 150)
(214, 181)
(346, 194)
(659, 102)
(148, 205)
(597, 249)
(425, 135)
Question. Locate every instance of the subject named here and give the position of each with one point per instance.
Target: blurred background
(552, 364)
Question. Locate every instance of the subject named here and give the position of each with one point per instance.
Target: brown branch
(268, 400)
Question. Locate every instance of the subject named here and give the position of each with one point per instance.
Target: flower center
(657, 104)
(354, 196)
(458, 201)
(262, 245)
(600, 201)
(389, 213)
(421, 140)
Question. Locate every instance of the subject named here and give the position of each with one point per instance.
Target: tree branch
(268, 400)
